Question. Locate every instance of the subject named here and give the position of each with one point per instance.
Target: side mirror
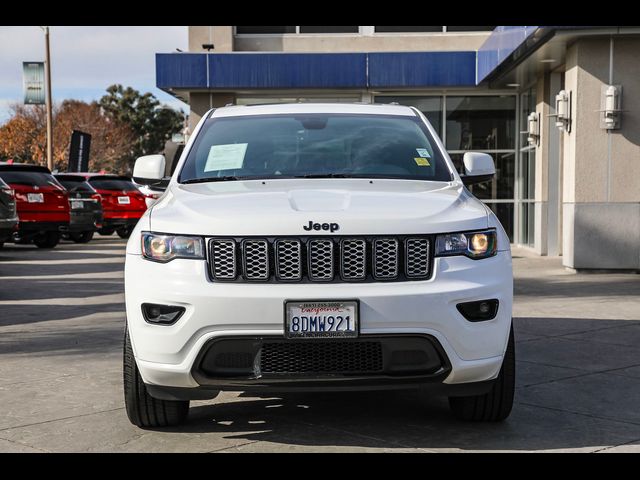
(479, 168)
(150, 171)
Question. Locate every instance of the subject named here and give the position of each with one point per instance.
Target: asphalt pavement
(61, 327)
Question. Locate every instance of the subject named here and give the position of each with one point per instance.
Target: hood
(286, 207)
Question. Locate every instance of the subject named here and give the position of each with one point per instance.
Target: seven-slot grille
(320, 259)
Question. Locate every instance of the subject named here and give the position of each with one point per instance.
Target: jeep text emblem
(333, 227)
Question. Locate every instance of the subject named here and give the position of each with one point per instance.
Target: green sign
(33, 78)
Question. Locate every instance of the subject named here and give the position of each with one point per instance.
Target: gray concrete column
(542, 169)
(201, 102)
(601, 183)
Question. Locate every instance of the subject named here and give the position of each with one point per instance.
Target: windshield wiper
(324, 175)
(228, 178)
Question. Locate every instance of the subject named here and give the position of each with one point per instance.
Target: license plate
(124, 200)
(321, 319)
(76, 205)
(35, 197)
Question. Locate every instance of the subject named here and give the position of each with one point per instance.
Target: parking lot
(61, 326)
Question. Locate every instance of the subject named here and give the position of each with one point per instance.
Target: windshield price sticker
(226, 157)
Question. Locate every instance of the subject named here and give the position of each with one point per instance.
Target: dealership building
(557, 107)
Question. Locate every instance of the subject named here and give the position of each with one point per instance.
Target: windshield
(318, 145)
(112, 184)
(31, 179)
(74, 184)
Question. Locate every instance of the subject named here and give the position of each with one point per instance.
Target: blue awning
(422, 69)
(260, 71)
(504, 48)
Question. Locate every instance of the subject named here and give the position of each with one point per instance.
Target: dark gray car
(8, 215)
(86, 208)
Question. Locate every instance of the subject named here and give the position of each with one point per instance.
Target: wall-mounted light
(563, 111)
(533, 129)
(611, 107)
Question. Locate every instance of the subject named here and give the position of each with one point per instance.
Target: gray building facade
(557, 107)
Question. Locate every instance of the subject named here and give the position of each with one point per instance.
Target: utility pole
(49, 105)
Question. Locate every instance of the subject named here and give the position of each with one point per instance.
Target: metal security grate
(288, 260)
(417, 257)
(256, 259)
(354, 259)
(321, 259)
(223, 257)
(321, 357)
(385, 259)
(321, 264)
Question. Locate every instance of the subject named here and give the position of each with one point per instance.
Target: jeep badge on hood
(328, 227)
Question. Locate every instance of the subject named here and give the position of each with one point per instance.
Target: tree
(111, 140)
(23, 137)
(152, 124)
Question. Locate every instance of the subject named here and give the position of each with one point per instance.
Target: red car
(122, 203)
(41, 202)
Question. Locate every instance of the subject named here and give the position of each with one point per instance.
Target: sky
(86, 60)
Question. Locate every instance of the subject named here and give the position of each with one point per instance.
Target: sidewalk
(578, 373)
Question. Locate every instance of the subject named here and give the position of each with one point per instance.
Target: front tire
(84, 237)
(142, 409)
(496, 405)
(124, 232)
(47, 240)
(106, 231)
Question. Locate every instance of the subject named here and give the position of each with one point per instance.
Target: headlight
(164, 248)
(474, 245)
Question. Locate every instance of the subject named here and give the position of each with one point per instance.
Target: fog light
(479, 311)
(162, 314)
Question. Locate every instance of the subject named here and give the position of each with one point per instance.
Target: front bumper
(84, 221)
(166, 355)
(116, 222)
(7, 227)
(32, 228)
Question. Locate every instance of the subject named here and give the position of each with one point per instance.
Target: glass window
(527, 171)
(527, 223)
(481, 123)
(302, 145)
(527, 151)
(404, 29)
(504, 212)
(264, 30)
(317, 29)
(112, 184)
(31, 179)
(263, 100)
(431, 107)
(469, 29)
(272, 100)
(75, 184)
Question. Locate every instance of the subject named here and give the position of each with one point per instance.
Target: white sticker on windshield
(423, 152)
(226, 157)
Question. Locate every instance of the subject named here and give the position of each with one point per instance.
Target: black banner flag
(79, 152)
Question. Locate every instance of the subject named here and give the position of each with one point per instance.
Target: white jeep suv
(317, 247)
